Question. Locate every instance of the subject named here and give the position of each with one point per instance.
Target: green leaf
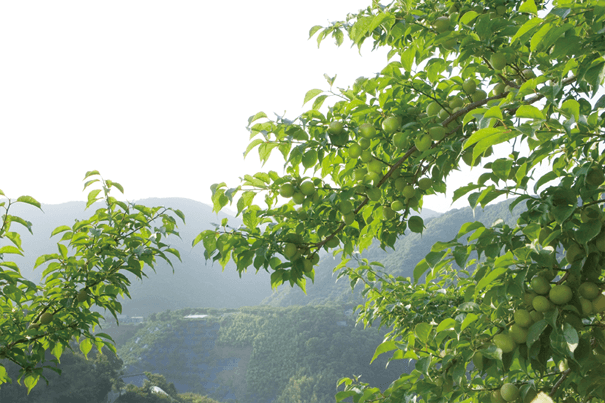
(407, 58)
(92, 197)
(588, 231)
(420, 269)
(312, 32)
(529, 6)
(529, 112)
(259, 115)
(45, 258)
(30, 381)
(571, 336)
(57, 351)
(60, 229)
(470, 318)
(494, 112)
(534, 332)
(311, 94)
(319, 102)
(91, 173)
(572, 108)
(383, 348)
(85, 347)
(10, 249)
(526, 28)
(482, 134)
(538, 36)
(468, 17)
(423, 331)
(30, 200)
(446, 324)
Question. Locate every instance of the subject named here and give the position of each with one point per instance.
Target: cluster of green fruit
(302, 256)
(299, 192)
(48, 317)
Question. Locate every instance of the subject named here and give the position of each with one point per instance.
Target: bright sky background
(156, 95)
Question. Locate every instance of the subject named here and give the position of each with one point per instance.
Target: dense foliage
(520, 318)
(156, 389)
(84, 277)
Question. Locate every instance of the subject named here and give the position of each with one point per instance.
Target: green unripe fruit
(598, 304)
(307, 265)
(367, 130)
(509, 392)
(336, 128)
(560, 294)
(340, 140)
(536, 316)
(496, 397)
(309, 158)
(479, 95)
(360, 173)
(467, 157)
(397, 205)
(423, 142)
(287, 190)
(374, 194)
(504, 342)
(529, 74)
(518, 333)
(290, 250)
(456, 102)
(595, 176)
(433, 109)
(409, 191)
(523, 318)
(416, 223)
(442, 24)
(314, 258)
(298, 198)
(478, 360)
(333, 243)
(349, 218)
(375, 166)
(586, 306)
(443, 114)
(82, 295)
(499, 88)
(541, 304)
(437, 133)
(498, 61)
(540, 285)
(574, 252)
(388, 213)
(412, 203)
(372, 177)
(345, 206)
(425, 183)
(589, 290)
(528, 297)
(391, 124)
(307, 188)
(450, 43)
(46, 318)
(469, 86)
(364, 143)
(354, 152)
(400, 184)
(400, 140)
(366, 156)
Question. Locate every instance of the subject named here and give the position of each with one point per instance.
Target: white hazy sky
(156, 95)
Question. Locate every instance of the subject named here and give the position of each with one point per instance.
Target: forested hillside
(258, 354)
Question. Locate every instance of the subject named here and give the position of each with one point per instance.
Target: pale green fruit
(586, 306)
(540, 285)
(290, 250)
(469, 86)
(314, 258)
(374, 194)
(529, 74)
(298, 198)
(509, 392)
(287, 190)
(467, 157)
(46, 318)
(425, 183)
(349, 218)
(400, 140)
(479, 95)
(354, 152)
(442, 24)
(443, 114)
(478, 360)
(518, 334)
(416, 223)
(333, 243)
(372, 177)
(423, 142)
(499, 88)
(574, 252)
(397, 205)
(450, 43)
(598, 304)
(366, 156)
(359, 173)
(589, 290)
(433, 109)
(364, 143)
(336, 128)
(456, 102)
(375, 166)
(600, 242)
(523, 318)
(595, 176)
(536, 316)
(345, 206)
(541, 304)
(560, 294)
(309, 159)
(82, 295)
(504, 342)
(307, 188)
(409, 191)
(367, 130)
(307, 265)
(496, 397)
(498, 61)
(400, 184)
(528, 297)
(391, 124)
(388, 213)
(437, 133)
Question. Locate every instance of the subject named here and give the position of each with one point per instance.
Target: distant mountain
(193, 283)
(409, 250)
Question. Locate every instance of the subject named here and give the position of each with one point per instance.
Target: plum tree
(543, 65)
